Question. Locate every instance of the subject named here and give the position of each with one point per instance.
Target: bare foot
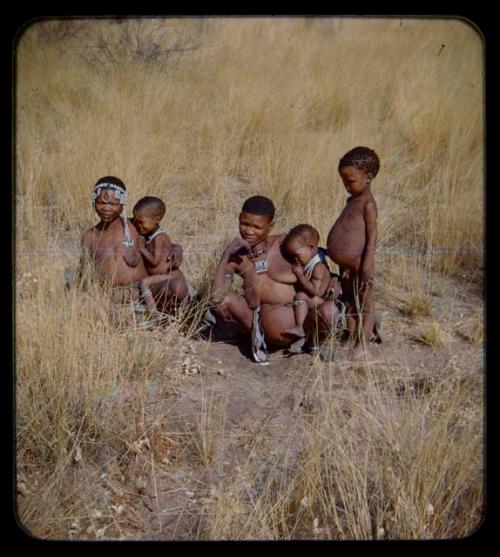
(295, 332)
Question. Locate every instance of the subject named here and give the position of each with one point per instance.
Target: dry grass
(431, 334)
(203, 112)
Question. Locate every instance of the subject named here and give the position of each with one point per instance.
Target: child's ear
(369, 176)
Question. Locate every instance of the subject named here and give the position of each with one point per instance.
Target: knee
(230, 299)
(230, 303)
(328, 312)
(179, 288)
(301, 296)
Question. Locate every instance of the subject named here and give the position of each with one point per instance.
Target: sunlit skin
(157, 257)
(254, 229)
(269, 290)
(114, 262)
(301, 252)
(311, 291)
(351, 245)
(146, 223)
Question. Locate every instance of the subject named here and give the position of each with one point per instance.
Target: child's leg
(349, 299)
(366, 320)
(301, 304)
(367, 313)
(145, 289)
(168, 290)
(301, 308)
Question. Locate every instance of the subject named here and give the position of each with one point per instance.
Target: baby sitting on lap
(313, 275)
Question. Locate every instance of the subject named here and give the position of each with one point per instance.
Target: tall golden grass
(204, 112)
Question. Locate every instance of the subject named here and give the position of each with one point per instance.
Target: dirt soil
(260, 409)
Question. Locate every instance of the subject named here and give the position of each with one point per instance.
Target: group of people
(290, 297)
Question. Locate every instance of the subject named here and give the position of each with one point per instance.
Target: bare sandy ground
(226, 417)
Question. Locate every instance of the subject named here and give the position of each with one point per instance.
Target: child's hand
(334, 287)
(236, 245)
(297, 270)
(366, 277)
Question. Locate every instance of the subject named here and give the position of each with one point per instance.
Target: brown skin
(158, 259)
(270, 290)
(309, 291)
(351, 245)
(115, 263)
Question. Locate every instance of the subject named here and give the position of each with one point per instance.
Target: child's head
(357, 168)
(108, 198)
(301, 243)
(256, 219)
(148, 212)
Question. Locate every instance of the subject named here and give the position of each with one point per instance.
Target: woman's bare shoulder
(276, 239)
(89, 233)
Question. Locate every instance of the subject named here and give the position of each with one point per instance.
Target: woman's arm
(225, 269)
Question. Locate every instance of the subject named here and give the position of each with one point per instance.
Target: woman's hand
(235, 246)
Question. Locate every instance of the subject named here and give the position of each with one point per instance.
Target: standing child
(313, 276)
(351, 245)
(156, 249)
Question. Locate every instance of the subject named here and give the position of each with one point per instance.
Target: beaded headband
(119, 192)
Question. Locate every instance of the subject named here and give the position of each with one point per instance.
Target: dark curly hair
(151, 205)
(362, 158)
(304, 232)
(259, 205)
